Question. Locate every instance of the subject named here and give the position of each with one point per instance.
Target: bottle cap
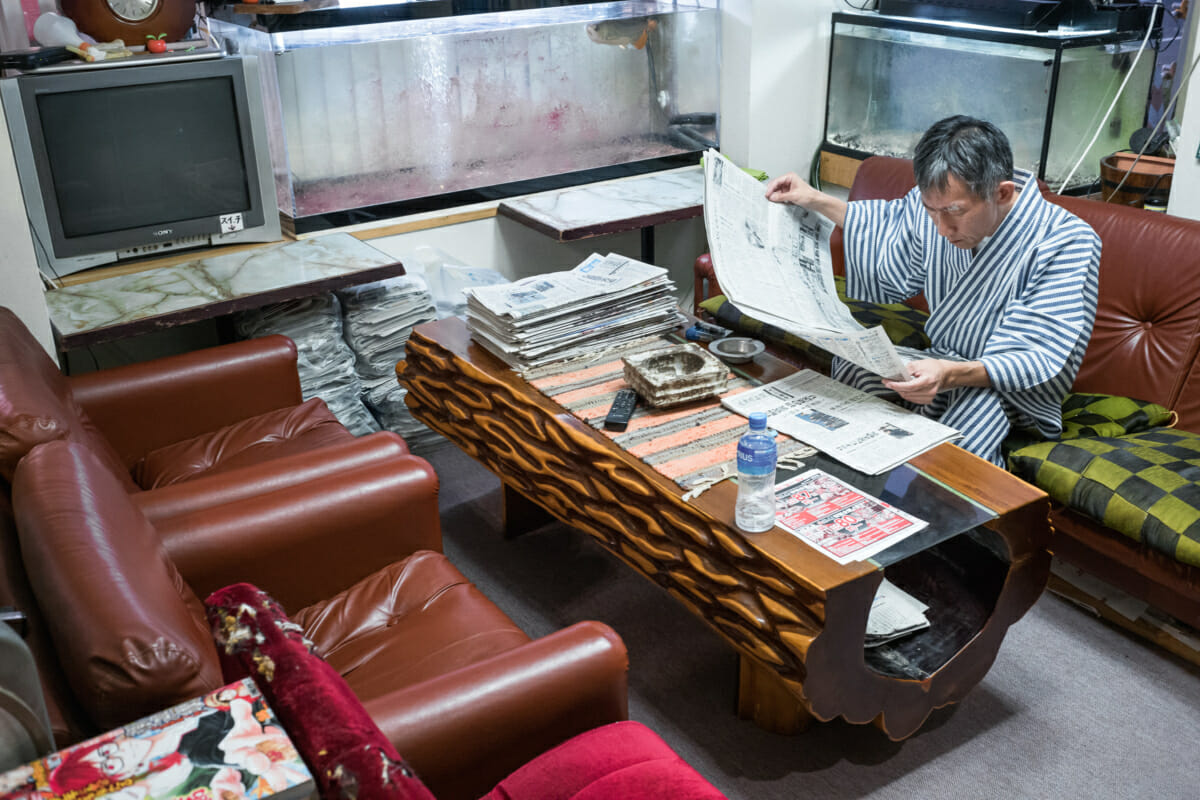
(758, 421)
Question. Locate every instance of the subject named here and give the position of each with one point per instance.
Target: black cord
(867, 5)
(1158, 48)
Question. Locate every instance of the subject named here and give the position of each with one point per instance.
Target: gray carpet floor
(1073, 707)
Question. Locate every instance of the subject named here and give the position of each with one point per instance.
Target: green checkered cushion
(1096, 415)
(1110, 415)
(903, 324)
(1144, 485)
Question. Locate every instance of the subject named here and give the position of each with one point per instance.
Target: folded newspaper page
(894, 613)
(864, 432)
(772, 261)
(839, 520)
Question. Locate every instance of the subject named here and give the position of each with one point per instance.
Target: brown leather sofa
(450, 679)
(197, 432)
(216, 459)
(1145, 344)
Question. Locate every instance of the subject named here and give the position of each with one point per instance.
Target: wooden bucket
(1151, 176)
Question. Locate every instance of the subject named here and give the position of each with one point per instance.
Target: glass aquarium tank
(1050, 92)
(370, 105)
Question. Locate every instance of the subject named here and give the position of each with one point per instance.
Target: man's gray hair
(972, 150)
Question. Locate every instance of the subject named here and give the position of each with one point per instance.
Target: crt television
(130, 161)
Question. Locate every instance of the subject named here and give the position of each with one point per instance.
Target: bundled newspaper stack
(378, 319)
(325, 362)
(606, 301)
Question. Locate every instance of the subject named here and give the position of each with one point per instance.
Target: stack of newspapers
(605, 302)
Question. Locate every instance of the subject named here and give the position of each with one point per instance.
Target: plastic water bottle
(756, 453)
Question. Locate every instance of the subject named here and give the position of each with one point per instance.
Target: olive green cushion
(903, 324)
(1109, 415)
(1087, 414)
(1145, 485)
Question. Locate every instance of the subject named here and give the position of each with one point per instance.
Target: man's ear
(1005, 192)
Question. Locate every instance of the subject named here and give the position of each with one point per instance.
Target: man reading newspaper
(1011, 281)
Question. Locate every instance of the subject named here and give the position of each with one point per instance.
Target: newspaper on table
(839, 520)
(605, 301)
(773, 262)
(894, 613)
(864, 432)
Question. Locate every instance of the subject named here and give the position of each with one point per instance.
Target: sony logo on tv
(164, 232)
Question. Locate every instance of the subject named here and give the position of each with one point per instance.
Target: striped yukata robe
(1023, 305)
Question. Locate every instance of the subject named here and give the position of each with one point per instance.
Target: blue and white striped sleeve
(884, 254)
(1052, 314)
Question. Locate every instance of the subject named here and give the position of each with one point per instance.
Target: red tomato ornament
(156, 44)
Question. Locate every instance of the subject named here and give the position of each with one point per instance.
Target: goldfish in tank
(622, 32)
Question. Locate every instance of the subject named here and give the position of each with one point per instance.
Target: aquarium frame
(1055, 41)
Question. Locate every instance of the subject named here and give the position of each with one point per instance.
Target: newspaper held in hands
(772, 261)
(864, 432)
(839, 520)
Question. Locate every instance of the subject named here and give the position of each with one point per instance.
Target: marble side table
(618, 206)
(128, 305)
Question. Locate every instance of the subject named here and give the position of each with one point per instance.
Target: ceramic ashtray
(676, 374)
(736, 349)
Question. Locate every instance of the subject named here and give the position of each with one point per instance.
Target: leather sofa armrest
(466, 730)
(140, 407)
(305, 542)
(232, 485)
(704, 282)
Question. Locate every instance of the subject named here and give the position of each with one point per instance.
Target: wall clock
(131, 20)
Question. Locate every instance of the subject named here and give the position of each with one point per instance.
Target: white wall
(774, 72)
(20, 281)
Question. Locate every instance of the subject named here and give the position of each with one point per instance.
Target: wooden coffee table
(796, 617)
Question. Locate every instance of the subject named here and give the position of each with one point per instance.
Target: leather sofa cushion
(129, 633)
(1144, 485)
(36, 404)
(1148, 318)
(409, 622)
(298, 429)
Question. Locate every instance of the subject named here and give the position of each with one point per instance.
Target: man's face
(962, 218)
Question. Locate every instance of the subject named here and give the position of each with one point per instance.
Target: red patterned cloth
(346, 752)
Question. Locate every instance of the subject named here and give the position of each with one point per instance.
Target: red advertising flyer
(839, 520)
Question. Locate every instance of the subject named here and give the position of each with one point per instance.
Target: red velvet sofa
(1145, 345)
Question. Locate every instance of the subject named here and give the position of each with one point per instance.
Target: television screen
(135, 160)
(143, 155)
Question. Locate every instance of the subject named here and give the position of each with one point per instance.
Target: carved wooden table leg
(766, 699)
(520, 514)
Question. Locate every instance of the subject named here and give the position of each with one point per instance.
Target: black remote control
(621, 410)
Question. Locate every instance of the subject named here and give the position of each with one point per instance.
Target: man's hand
(791, 188)
(933, 375)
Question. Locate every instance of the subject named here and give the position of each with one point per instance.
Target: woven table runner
(694, 444)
